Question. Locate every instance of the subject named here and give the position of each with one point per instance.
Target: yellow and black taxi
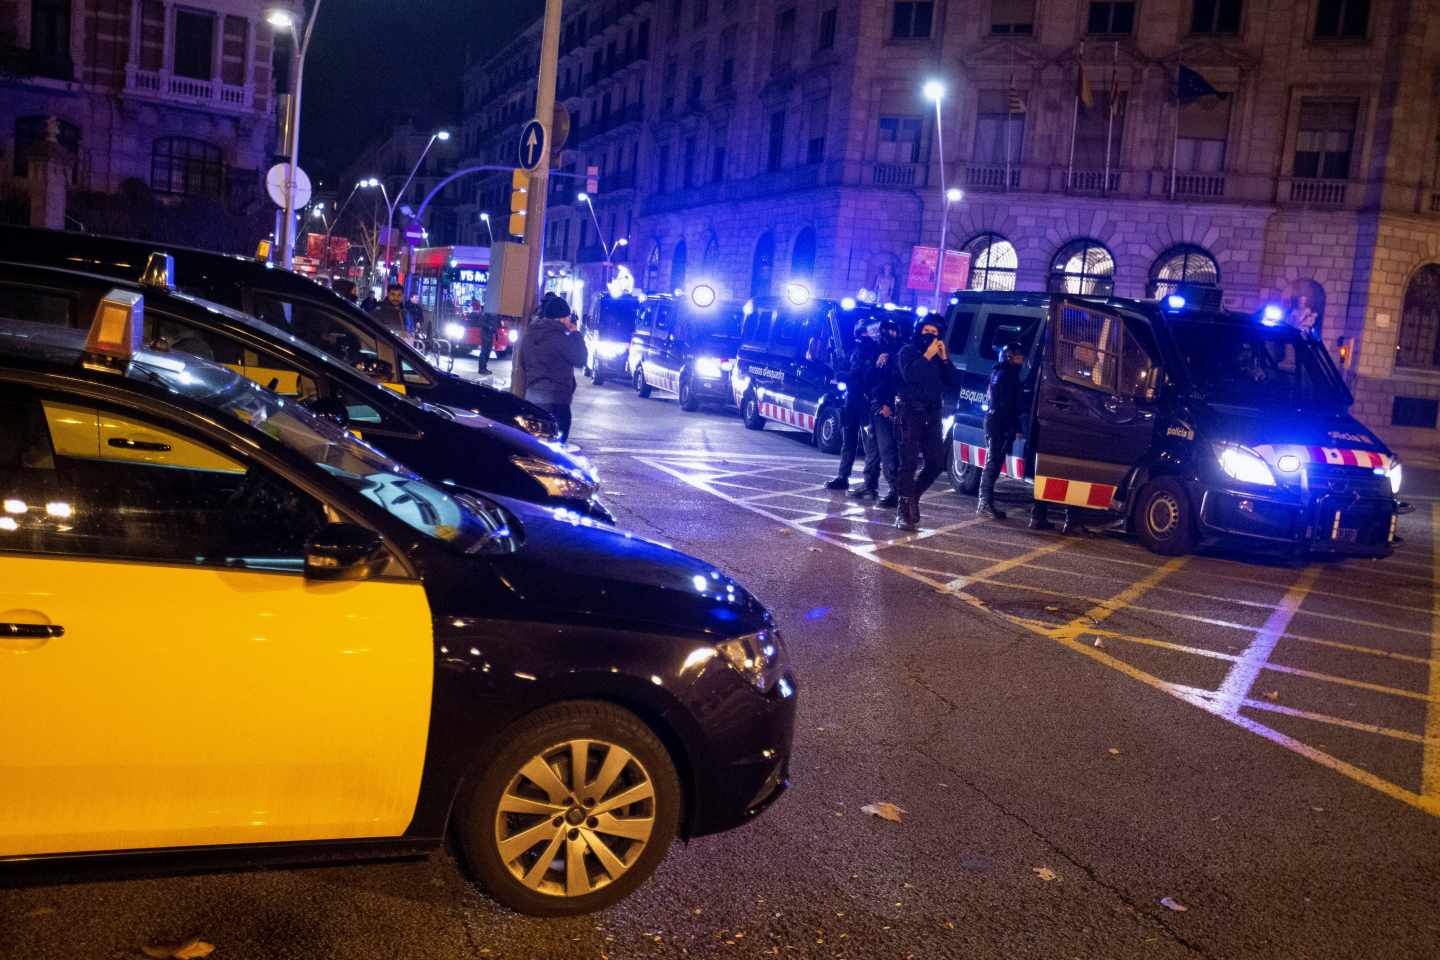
(232, 633)
(608, 330)
(686, 345)
(1193, 423)
(794, 351)
(296, 304)
(445, 444)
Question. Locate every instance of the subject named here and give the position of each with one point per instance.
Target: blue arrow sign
(532, 145)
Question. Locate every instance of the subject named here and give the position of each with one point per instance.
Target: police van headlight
(756, 657)
(709, 367)
(454, 331)
(557, 480)
(1395, 475)
(610, 349)
(1244, 465)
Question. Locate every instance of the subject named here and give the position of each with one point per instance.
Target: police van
(608, 330)
(686, 345)
(1193, 423)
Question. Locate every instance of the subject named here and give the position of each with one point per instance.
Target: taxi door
(1095, 406)
(168, 675)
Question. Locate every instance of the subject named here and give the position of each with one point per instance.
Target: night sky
(374, 63)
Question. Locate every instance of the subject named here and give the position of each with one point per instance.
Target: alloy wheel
(575, 817)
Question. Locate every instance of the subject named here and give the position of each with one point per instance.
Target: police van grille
(1340, 479)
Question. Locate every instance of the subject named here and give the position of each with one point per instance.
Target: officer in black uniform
(1004, 399)
(883, 450)
(925, 375)
(856, 412)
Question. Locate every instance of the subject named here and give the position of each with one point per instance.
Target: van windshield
(1252, 365)
(719, 334)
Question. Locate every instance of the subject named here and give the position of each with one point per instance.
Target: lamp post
(331, 223)
(391, 203)
(485, 219)
(934, 91)
(284, 19)
(608, 248)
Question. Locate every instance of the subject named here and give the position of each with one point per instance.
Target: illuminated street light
(442, 135)
(934, 90)
(609, 249)
(485, 219)
(954, 195)
(280, 19)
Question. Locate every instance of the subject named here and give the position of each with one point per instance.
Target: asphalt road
(1080, 733)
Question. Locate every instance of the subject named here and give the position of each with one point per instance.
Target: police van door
(1095, 408)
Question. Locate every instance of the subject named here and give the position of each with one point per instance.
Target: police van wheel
(642, 389)
(829, 432)
(541, 829)
(963, 477)
(1163, 519)
(750, 410)
(688, 401)
(596, 377)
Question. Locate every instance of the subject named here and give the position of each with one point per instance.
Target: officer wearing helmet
(925, 375)
(1004, 399)
(882, 452)
(856, 413)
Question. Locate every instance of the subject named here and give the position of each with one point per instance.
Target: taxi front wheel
(1164, 520)
(576, 811)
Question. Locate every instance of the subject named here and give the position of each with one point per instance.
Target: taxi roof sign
(159, 271)
(116, 333)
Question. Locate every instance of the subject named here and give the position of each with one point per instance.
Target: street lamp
(391, 203)
(335, 220)
(485, 219)
(608, 248)
(282, 18)
(934, 91)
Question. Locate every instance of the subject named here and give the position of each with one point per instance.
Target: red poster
(922, 269)
(315, 248)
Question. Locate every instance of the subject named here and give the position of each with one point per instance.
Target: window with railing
(1098, 137)
(50, 38)
(1342, 19)
(825, 36)
(194, 44)
(999, 129)
(899, 140)
(727, 58)
(672, 71)
(784, 41)
(1202, 138)
(1325, 140)
(1185, 265)
(912, 21)
(1111, 19)
(1215, 17)
(815, 142)
(1012, 17)
(1418, 343)
(697, 73)
(187, 167)
(993, 262)
(689, 155)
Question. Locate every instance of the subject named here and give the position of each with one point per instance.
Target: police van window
(37, 306)
(787, 329)
(764, 323)
(960, 326)
(644, 320)
(664, 318)
(1139, 372)
(1086, 344)
(134, 489)
(1003, 328)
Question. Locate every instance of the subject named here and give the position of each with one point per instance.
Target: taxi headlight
(708, 367)
(558, 481)
(455, 331)
(1394, 473)
(535, 426)
(756, 657)
(609, 349)
(1244, 465)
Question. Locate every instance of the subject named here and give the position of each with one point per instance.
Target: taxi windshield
(453, 517)
(1253, 365)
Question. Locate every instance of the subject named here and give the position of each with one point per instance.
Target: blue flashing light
(1272, 315)
(1175, 302)
(847, 304)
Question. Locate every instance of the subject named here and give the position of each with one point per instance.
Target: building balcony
(1316, 192)
(894, 174)
(992, 176)
(210, 94)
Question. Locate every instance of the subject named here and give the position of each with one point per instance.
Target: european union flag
(1191, 86)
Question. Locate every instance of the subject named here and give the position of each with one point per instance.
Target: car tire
(964, 477)
(596, 377)
(550, 737)
(829, 431)
(688, 401)
(1164, 519)
(750, 411)
(642, 389)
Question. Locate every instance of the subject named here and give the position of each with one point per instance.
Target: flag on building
(1082, 88)
(1015, 101)
(1191, 85)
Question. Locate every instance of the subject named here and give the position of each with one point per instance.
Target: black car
(441, 443)
(794, 350)
(608, 330)
(1190, 422)
(686, 345)
(287, 300)
(271, 643)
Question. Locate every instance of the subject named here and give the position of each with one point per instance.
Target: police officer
(883, 449)
(1004, 399)
(925, 375)
(856, 412)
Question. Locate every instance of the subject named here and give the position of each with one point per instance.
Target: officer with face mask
(925, 375)
(1004, 399)
(882, 447)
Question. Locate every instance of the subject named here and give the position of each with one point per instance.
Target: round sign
(276, 179)
(532, 144)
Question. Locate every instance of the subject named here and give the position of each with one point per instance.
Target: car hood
(580, 567)
(1263, 427)
(500, 404)
(516, 441)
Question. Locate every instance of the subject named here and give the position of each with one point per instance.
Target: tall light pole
(934, 91)
(330, 224)
(485, 219)
(608, 248)
(392, 202)
(284, 19)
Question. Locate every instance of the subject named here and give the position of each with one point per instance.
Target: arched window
(1419, 344)
(1083, 267)
(802, 258)
(679, 266)
(186, 166)
(711, 258)
(993, 262)
(762, 269)
(652, 270)
(1186, 264)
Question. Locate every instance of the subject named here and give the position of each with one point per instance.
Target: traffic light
(519, 200)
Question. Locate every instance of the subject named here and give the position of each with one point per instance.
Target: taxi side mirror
(344, 551)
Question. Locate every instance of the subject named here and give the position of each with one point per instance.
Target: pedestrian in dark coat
(855, 414)
(1004, 399)
(883, 453)
(925, 375)
(395, 314)
(553, 350)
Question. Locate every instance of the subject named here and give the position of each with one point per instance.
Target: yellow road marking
(1430, 763)
(960, 583)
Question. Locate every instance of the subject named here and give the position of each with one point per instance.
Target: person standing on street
(1004, 399)
(554, 350)
(395, 314)
(485, 323)
(925, 375)
(883, 449)
(856, 412)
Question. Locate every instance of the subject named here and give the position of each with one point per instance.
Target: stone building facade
(1285, 151)
(177, 96)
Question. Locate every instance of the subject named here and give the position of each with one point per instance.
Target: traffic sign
(278, 177)
(532, 144)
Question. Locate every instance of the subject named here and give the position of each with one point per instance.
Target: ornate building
(1285, 152)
